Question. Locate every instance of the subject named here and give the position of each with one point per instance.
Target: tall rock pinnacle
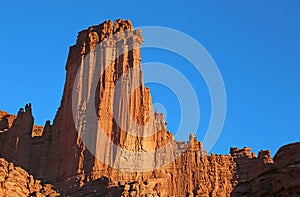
(106, 140)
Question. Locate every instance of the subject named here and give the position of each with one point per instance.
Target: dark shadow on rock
(4, 123)
(97, 188)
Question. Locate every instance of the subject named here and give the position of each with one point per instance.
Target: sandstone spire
(123, 148)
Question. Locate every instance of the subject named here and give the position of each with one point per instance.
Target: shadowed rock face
(6, 120)
(56, 153)
(14, 181)
(264, 176)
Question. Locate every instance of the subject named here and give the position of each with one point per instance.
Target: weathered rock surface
(14, 181)
(264, 176)
(57, 154)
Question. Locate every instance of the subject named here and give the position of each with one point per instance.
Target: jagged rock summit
(57, 153)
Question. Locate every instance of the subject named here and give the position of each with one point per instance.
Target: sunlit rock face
(139, 156)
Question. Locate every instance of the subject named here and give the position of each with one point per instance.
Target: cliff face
(59, 154)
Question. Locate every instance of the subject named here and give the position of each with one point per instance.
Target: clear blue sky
(255, 44)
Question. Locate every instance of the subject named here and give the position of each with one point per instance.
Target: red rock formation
(263, 176)
(57, 154)
(14, 181)
(6, 120)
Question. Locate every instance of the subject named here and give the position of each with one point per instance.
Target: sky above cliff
(255, 44)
